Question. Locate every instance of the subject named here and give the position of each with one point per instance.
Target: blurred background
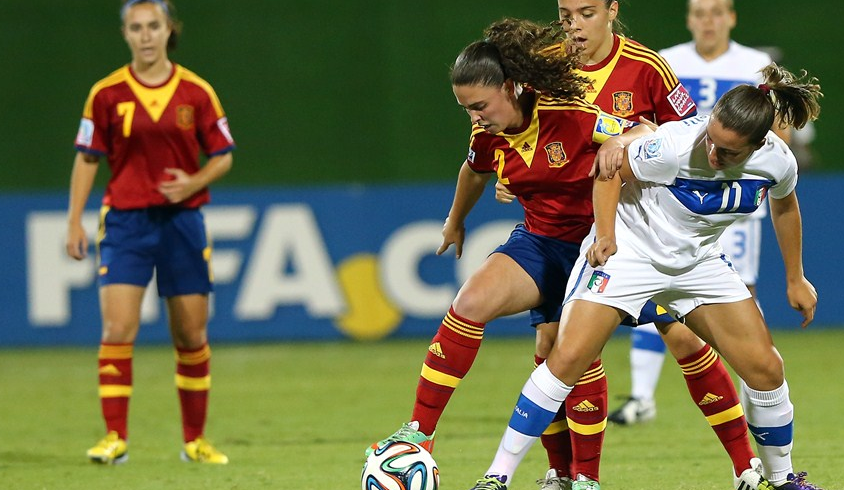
(349, 141)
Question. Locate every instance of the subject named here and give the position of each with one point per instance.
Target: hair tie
(764, 88)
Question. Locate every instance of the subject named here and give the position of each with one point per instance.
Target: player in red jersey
(629, 80)
(150, 119)
(541, 142)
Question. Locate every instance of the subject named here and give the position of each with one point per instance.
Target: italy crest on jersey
(556, 154)
(598, 282)
(622, 103)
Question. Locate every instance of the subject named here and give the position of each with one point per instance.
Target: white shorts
(628, 280)
(742, 242)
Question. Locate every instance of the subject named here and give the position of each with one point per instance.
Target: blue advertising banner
(327, 263)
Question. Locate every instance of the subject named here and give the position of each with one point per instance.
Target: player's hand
(609, 159)
(803, 297)
(179, 188)
(600, 251)
(77, 242)
(453, 234)
(502, 194)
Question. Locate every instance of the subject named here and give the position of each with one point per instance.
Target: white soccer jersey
(679, 207)
(707, 81)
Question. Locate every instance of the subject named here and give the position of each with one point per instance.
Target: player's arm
(470, 186)
(605, 196)
(85, 167)
(183, 185)
(611, 155)
(785, 215)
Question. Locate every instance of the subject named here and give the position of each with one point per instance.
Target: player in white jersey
(708, 66)
(657, 238)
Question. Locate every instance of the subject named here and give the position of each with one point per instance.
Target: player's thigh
(739, 333)
(499, 287)
(120, 307)
(585, 327)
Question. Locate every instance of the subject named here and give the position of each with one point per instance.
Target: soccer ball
(400, 465)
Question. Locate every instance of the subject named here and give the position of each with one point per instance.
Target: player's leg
(184, 279)
(499, 287)
(586, 327)
(556, 439)
(125, 268)
(711, 389)
(120, 306)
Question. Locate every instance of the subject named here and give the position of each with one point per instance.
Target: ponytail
(751, 111)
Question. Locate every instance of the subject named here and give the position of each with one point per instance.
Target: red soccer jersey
(546, 163)
(635, 81)
(143, 130)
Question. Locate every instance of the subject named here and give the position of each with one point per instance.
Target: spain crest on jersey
(622, 103)
(184, 117)
(556, 154)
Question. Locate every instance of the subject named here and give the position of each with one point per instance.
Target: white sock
(646, 358)
(541, 398)
(770, 416)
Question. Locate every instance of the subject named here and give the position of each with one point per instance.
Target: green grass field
(298, 417)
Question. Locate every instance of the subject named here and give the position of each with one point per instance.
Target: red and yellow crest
(622, 103)
(556, 154)
(184, 117)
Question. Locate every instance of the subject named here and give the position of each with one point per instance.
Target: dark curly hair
(525, 52)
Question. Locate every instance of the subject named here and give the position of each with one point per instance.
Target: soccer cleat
(553, 482)
(408, 432)
(797, 482)
(200, 450)
(110, 450)
(634, 411)
(490, 482)
(584, 483)
(752, 479)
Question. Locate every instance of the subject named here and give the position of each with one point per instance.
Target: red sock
(115, 371)
(193, 381)
(450, 355)
(713, 391)
(586, 410)
(556, 439)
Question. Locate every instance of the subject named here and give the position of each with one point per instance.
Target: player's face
(710, 22)
(725, 148)
(493, 108)
(588, 24)
(146, 30)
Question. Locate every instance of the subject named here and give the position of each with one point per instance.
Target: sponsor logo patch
(585, 406)
(556, 154)
(609, 125)
(598, 282)
(680, 100)
(471, 156)
(85, 135)
(622, 103)
(223, 124)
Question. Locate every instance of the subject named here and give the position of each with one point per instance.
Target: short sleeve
(653, 158)
(786, 184)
